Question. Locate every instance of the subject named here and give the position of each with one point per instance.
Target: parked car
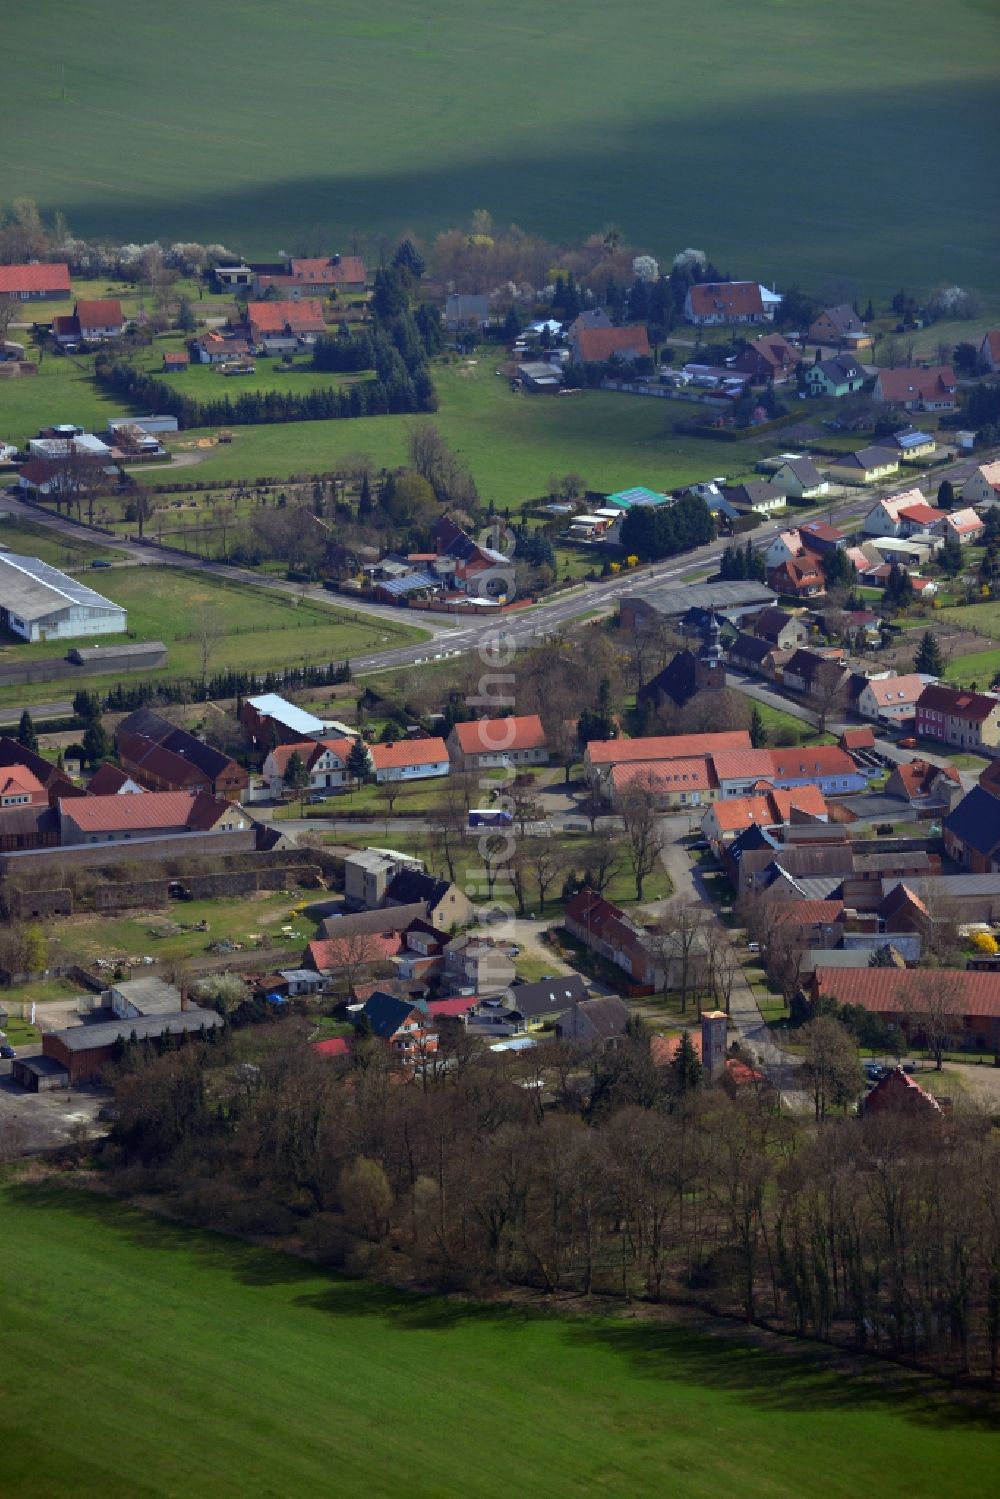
(908, 743)
(8, 1053)
(100, 562)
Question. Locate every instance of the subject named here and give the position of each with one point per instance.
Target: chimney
(713, 1042)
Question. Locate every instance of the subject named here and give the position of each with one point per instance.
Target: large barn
(38, 602)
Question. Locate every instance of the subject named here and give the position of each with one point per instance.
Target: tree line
(633, 1180)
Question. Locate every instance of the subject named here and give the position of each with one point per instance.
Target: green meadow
(260, 628)
(142, 1360)
(790, 138)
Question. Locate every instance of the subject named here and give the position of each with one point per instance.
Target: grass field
(236, 139)
(262, 628)
(168, 935)
(143, 1359)
(512, 443)
(62, 550)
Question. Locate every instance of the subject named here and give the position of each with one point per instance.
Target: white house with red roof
(484, 743)
(410, 760)
(711, 303)
(117, 819)
(963, 526)
(91, 322)
(324, 759)
(19, 788)
(933, 388)
(884, 519)
(38, 282)
(284, 325)
(891, 700)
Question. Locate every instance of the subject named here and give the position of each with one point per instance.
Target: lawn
(262, 628)
(512, 443)
(281, 1376)
(70, 552)
(172, 935)
(625, 124)
(980, 668)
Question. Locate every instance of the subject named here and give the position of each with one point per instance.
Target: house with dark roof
(780, 629)
(447, 904)
(755, 497)
(800, 478)
(898, 1093)
(811, 672)
(594, 1024)
(749, 653)
(541, 1003)
(840, 376)
(840, 326)
(864, 466)
(958, 716)
(466, 310)
(406, 1028)
(972, 832)
(190, 761)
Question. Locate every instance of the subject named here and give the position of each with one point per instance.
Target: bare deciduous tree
(643, 829)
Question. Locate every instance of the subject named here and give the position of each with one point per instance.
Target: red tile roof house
(925, 785)
(604, 928)
(820, 922)
(19, 788)
(175, 359)
(798, 577)
(957, 716)
(487, 742)
(770, 357)
(325, 760)
(410, 760)
(963, 526)
(331, 273)
(931, 389)
(598, 345)
(117, 819)
(353, 953)
(715, 302)
(92, 322)
(602, 755)
(897, 995)
(768, 809)
(675, 783)
(283, 325)
(40, 282)
(891, 699)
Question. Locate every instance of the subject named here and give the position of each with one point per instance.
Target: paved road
(456, 635)
(61, 709)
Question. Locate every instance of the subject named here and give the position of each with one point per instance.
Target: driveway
(31, 1123)
(744, 1012)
